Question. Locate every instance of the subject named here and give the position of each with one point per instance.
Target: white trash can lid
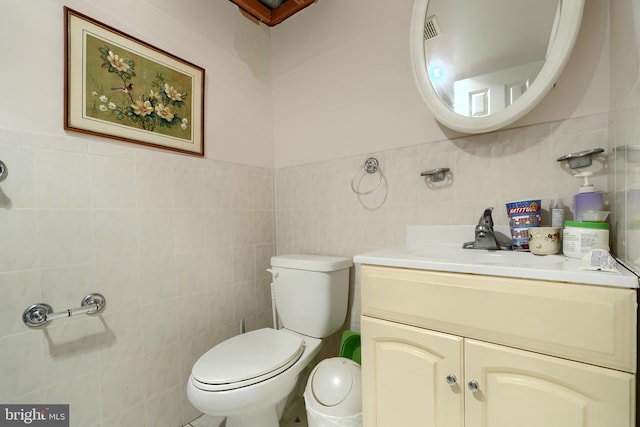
(335, 387)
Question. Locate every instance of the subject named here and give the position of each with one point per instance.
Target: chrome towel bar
(42, 314)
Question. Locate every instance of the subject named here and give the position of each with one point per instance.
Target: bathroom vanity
(449, 343)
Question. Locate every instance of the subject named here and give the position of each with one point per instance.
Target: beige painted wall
(343, 83)
(210, 34)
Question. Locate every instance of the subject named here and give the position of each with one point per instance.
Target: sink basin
(445, 247)
(455, 254)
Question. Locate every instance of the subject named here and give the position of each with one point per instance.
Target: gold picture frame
(119, 87)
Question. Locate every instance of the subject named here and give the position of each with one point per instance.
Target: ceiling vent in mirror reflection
(431, 28)
(495, 60)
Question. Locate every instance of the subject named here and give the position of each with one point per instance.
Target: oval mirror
(483, 64)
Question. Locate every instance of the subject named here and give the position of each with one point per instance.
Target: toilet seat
(247, 359)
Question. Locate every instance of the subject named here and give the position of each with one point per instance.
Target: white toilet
(248, 378)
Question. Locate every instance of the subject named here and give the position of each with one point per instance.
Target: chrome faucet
(486, 237)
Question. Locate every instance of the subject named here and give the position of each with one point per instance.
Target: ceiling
(479, 37)
(270, 12)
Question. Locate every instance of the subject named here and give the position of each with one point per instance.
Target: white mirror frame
(558, 55)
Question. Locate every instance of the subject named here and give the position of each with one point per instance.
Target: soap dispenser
(587, 199)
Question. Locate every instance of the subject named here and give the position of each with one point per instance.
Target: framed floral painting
(119, 87)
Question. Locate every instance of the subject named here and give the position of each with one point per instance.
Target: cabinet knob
(474, 386)
(451, 379)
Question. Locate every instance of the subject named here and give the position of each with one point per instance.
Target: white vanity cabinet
(451, 350)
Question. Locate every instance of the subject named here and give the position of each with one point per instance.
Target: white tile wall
(317, 212)
(624, 131)
(177, 245)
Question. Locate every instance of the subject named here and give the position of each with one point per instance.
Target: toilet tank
(311, 292)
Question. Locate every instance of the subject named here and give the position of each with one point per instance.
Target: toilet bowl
(248, 378)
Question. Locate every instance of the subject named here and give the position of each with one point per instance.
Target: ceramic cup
(544, 240)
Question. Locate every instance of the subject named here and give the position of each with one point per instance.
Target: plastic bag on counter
(599, 260)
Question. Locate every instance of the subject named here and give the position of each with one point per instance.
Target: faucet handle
(486, 218)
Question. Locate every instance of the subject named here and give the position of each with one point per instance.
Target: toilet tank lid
(311, 262)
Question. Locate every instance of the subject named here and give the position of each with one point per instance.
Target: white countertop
(440, 248)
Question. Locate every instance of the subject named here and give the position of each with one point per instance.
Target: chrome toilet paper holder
(41, 314)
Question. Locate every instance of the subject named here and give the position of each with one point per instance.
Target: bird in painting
(125, 89)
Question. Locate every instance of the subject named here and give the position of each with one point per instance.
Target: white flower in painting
(164, 112)
(183, 125)
(172, 93)
(117, 62)
(94, 93)
(142, 108)
(112, 106)
(103, 98)
(185, 120)
(103, 107)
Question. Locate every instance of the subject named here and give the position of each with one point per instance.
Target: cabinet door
(524, 389)
(405, 376)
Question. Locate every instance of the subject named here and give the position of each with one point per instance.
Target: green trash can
(350, 346)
